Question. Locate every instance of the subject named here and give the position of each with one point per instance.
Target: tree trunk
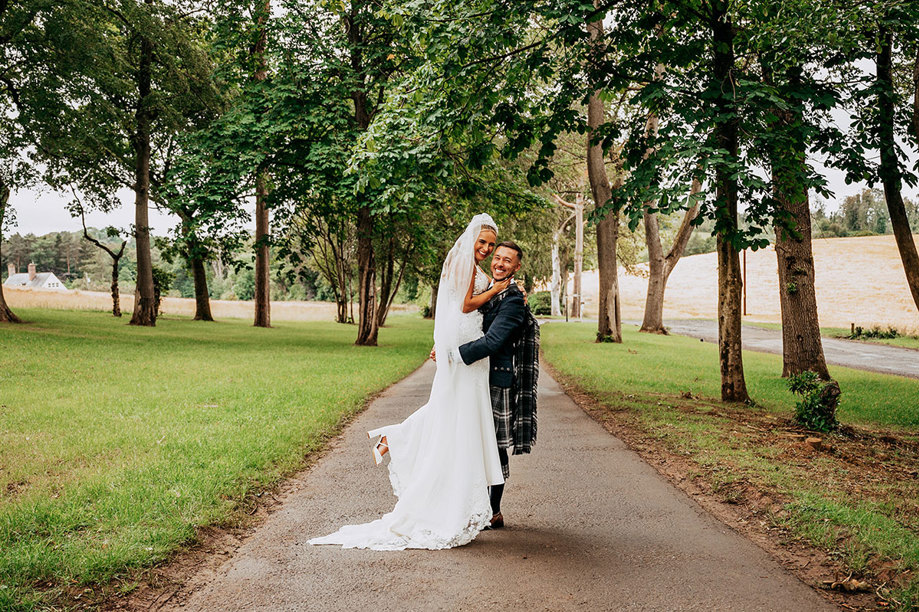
(366, 261)
(660, 266)
(350, 299)
(343, 295)
(802, 347)
(609, 323)
(341, 302)
(386, 282)
(386, 301)
(116, 294)
(577, 298)
(6, 315)
(202, 298)
(262, 284)
(889, 168)
(145, 298)
(609, 327)
(366, 280)
(730, 284)
(555, 288)
(564, 284)
(116, 259)
(432, 311)
(262, 268)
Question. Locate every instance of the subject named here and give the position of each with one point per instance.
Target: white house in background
(33, 280)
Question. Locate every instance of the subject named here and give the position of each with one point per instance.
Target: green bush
(875, 332)
(819, 400)
(541, 303)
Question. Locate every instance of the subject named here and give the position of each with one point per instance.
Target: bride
(444, 456)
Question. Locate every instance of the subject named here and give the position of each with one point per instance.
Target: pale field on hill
(859, 280)
(220, 309)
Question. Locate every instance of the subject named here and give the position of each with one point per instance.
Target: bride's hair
(490, 228)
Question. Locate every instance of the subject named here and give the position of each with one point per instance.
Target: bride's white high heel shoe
(378, 451)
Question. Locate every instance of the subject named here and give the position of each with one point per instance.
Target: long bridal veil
(444, 455)
(455, 277)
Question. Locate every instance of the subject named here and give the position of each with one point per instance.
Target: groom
(503, 321)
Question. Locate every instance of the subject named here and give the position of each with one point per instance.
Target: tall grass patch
(117, 442)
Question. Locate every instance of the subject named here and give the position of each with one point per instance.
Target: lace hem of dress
(429, 540)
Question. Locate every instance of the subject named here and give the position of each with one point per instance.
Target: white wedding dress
(443, 456)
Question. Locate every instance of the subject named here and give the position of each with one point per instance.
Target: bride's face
(484, 245)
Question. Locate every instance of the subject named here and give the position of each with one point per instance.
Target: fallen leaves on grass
(848, 584)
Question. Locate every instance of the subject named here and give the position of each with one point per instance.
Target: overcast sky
(42, 212)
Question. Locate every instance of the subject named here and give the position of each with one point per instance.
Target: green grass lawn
(675, 364)
(117, 442)
(859, 500)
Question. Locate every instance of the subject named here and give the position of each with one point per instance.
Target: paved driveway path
(590, 527)
(850, 353)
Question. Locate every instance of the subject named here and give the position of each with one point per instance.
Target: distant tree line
(863, 214)
(80, 265)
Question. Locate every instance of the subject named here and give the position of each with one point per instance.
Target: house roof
(22, 280)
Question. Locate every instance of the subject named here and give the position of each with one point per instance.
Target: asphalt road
(590, 527)
(849, 353)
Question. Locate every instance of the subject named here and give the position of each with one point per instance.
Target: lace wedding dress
(443, 456)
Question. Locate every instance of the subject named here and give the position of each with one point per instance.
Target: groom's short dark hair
(513, 246)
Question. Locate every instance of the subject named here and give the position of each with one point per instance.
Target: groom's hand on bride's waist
(452, 356)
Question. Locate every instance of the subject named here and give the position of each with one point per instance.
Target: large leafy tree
(888, 37)
(29, 85)
(138, 78)
(710, 104)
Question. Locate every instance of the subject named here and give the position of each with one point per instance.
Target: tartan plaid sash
(526, 378)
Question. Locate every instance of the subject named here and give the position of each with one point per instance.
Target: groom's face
(505, 263)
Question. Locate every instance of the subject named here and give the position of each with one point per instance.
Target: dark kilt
(503, 409)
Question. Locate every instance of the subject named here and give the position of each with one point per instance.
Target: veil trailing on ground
(455, 278)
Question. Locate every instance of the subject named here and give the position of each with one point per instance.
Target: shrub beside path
(590, 526)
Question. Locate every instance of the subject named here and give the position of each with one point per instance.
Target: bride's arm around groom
(502, 320)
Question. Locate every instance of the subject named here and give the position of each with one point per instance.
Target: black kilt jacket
(503, 320)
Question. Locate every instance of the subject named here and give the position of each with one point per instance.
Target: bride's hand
(501, 285)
